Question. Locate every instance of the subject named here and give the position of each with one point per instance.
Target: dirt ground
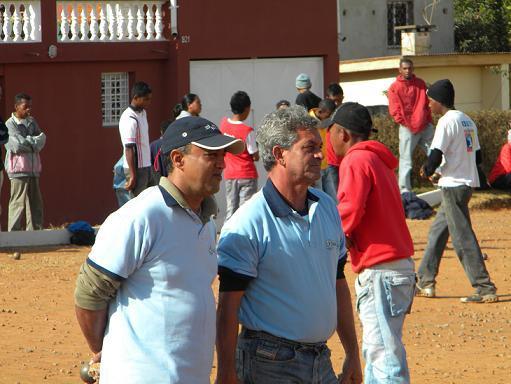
(447, 341)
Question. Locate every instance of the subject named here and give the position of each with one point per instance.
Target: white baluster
(64, 25)
(131, 23)
(93, 27)
(158, 24)
(121, 21)
(84, 23)
(16, 24)
(74, 23)
(103, 24)
(112, 21)
(35, 24)
(26, 23)
(150, 22)
(7, 24)
(140, 23)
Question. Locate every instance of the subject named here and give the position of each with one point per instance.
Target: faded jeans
(453, 218)
(263, 358)
(237, 192)
(384, 297)
(407, 143)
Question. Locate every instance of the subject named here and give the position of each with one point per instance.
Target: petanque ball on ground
(16, 255)
(84, 374)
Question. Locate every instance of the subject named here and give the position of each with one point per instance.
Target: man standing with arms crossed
(281, 261)
(134, 131)
(143, 296)
(409, 107)
(23, 166)
(379, 242)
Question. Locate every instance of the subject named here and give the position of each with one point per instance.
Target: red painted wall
(76, 182)
(233, 29)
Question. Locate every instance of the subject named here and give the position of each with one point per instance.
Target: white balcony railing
(20, 21)
(110, 21)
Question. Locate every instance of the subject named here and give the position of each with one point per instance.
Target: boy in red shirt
(379, 242)
(240, 173)
(500, 175)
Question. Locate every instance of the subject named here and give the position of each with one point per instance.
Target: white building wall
(363, 28)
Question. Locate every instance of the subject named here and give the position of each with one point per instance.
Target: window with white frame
(398, 13)
(114, 96)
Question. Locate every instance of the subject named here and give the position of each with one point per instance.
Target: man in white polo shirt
(281, 260)
(134, 131)
(143, 296)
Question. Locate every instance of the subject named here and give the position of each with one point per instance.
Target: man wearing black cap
(379, 242)
(457, 143)
(143, 297)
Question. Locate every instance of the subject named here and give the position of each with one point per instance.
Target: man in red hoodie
(379, 242)
(409, 107)
(500, 175)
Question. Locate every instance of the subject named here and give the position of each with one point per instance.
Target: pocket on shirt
(399, 290)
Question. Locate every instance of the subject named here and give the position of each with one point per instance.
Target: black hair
(164, 125)
(327, 104)
(188, 99)
(178, 108)
(239, 102)
(405, 60)
(334, 89)
(140, 89)
(20, 97)
(281, 103)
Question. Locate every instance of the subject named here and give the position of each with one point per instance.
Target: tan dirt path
(447, 341)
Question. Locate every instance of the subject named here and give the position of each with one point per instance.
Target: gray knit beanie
(303, 81)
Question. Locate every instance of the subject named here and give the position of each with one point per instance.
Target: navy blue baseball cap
(201, 133)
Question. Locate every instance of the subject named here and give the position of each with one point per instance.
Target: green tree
(482, 25)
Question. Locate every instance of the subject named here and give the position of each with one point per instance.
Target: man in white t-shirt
(455, 148)
(134, 131)
(143, 296)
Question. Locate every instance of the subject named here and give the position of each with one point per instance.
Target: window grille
(114, 97)
(398, 13)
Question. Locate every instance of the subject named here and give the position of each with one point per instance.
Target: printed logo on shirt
(466, 123)
(469, 139)
(331, 244)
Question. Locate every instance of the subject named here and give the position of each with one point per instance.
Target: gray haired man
(281, 261)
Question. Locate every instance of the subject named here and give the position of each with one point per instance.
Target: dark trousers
(503, 182)
(144, 180)
(453, 219)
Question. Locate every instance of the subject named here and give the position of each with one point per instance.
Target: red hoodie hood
(379, 149)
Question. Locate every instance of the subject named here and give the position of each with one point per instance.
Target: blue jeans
(264, 358)
(407, 143)
(384, 297)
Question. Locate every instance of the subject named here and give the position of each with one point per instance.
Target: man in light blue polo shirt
(143, 297)
(281, 260)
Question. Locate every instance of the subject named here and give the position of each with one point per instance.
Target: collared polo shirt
(292, 260)
(161, 324)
